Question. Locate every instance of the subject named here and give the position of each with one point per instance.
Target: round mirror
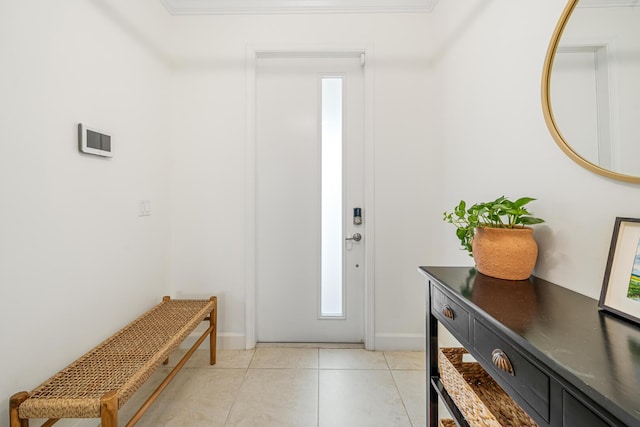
(591, 86)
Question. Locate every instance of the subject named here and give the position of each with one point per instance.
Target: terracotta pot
(505, 253)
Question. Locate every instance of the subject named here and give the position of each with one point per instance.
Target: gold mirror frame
(548, 111)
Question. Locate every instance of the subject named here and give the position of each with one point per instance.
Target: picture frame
(621, 285)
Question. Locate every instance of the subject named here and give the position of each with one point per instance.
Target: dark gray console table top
(592, 352)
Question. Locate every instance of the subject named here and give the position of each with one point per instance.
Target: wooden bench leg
(14, 403)
(166, 298)
(109, 409)
(213, 337)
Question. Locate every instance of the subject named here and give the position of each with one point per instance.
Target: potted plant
(497, 235)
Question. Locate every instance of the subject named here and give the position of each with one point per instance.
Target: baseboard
(226, 341)
(323, 345)
(399, 342)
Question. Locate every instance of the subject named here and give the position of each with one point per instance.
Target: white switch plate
(144, 208)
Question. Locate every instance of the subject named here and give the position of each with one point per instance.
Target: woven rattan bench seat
(122, 363)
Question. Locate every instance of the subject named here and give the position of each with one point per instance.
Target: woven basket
(476, 394)
(447, 422)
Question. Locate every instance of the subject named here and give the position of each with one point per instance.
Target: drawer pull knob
(500, 359)
(448, 312)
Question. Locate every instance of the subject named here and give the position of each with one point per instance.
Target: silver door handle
(356, 237)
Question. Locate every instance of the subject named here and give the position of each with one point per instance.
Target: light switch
(144, 208)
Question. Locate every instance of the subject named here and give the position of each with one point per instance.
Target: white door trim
(253, 52)
(605, 51)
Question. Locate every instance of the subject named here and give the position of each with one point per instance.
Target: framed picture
(621, 286)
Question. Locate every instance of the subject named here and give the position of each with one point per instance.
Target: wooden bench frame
(109, 402)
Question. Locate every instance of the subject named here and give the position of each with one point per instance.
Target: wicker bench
(99, 383)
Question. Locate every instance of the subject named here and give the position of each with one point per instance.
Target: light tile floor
(297, 387)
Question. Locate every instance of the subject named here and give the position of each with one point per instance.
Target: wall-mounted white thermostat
(93, 141)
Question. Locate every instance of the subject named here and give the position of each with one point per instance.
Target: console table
(573, 365)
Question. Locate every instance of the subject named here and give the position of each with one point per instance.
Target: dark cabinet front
(451, 314)
(556, 355)
(525, 379)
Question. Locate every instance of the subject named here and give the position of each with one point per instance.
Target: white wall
(210, 123)
(76, 262)
(496, 141)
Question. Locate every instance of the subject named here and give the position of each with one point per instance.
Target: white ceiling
(245, 7)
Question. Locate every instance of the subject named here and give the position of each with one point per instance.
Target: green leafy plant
(500, 213)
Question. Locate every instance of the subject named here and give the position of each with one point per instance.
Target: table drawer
(525, 378)
(452, 315)
(575, 414)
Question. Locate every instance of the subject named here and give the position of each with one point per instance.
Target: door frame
(605, 52)
(253, 52)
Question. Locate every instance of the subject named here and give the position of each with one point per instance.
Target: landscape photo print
(621, 285)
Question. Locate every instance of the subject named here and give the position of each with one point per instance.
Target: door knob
(356, 237)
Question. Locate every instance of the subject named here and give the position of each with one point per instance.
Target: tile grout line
(235, 396)
(404, 405)
(395, 384)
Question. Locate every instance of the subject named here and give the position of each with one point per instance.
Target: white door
(309, 181)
